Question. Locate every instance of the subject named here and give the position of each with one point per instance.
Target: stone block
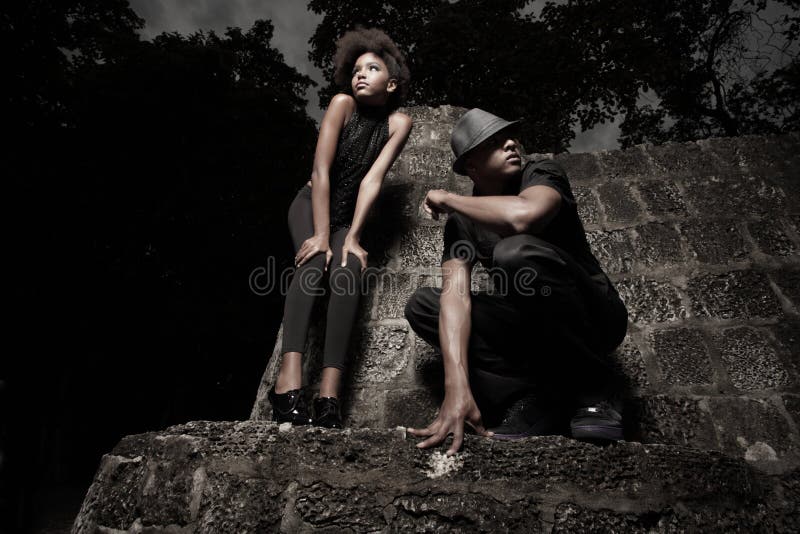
(363, 407)
(650, 301)
(427, 164)
(618, 202)
(625, 164)
(787, 335)
(579, 167)
(792, 405)
(736, 294)
(684, 160)
(571, 518)
(430, 134)
(722, 195)
(587, 205)
(613, 249)
(628, 361)
(682, 356)
(382, 355)
(657, 244)
(714, 241)
(394, 291)
(440, 114)
(752, 428)
(421, 247)
(410, 407)
(439, 512)
(771, 238)
(789, 284)
(673, 421)
(662, 198)
(750, 359)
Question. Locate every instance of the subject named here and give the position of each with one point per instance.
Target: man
(536, 345)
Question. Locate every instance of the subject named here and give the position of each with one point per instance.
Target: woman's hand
(352, 246)
(459, 407)
(434, 203)
(311, 247)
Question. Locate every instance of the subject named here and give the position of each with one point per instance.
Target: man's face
(496, 159)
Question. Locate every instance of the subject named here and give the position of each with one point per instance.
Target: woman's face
(370, 82)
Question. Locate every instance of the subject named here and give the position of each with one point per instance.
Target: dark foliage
(672, 70)
(148, 179)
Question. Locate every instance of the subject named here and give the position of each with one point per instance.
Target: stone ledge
(253, 476)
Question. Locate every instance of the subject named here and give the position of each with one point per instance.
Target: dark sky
(294, 25)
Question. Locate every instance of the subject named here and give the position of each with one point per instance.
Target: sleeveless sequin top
(360, 142)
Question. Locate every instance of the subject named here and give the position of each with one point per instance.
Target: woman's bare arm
(399, 128)
(337, 114)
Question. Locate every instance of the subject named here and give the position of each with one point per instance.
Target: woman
(360, 137)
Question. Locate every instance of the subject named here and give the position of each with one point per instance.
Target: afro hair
(360, 41)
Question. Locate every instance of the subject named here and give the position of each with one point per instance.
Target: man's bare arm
(459, 405)
(530, 211)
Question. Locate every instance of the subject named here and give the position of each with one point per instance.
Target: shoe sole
(600, 432)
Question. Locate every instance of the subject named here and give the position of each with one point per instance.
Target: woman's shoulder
(399, 122)
(342, 103)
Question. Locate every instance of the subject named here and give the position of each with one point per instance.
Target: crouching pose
(521, 357)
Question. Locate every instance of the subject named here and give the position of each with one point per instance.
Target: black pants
(550, 331)
(306, 285)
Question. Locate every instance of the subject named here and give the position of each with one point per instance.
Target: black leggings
(345, 288)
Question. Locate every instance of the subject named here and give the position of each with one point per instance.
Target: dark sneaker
(524, 418)
(326, 412)
(289, 407)
(600, 422)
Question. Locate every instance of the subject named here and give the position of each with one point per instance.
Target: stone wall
(701, 240)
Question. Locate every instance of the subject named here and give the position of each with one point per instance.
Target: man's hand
(434, 203)
(458, 408)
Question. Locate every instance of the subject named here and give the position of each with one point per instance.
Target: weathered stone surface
(737, 294)
(683, 160)
(714, 241)
(628, 360)
(421, 247)
(789, 284)
(746, 425)
(431, 134)
(618, 202)
(395, 290)
(613, 249)
(587, 205)
(650, 301)
(771, 238)
(792, 405)
(383, 354)
(251, 476)
(415, 408)
(427, 164)
(676, 421)
(723, 195)
(662, 198)
(363, 407)
(579, 167)
(624, 164)
(657, 244)
(682, 356)
(750, 359)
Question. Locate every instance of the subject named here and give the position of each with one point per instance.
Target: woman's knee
(347, 279)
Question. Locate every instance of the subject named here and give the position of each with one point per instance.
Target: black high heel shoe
(289, 407)
(326, 412)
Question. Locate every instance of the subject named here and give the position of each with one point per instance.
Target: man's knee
(421, 304)
(520, 250)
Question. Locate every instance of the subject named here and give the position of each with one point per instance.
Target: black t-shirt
(471, 241)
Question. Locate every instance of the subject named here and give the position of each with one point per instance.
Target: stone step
(252, 476)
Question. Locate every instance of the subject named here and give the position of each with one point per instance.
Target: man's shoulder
(545, 165)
